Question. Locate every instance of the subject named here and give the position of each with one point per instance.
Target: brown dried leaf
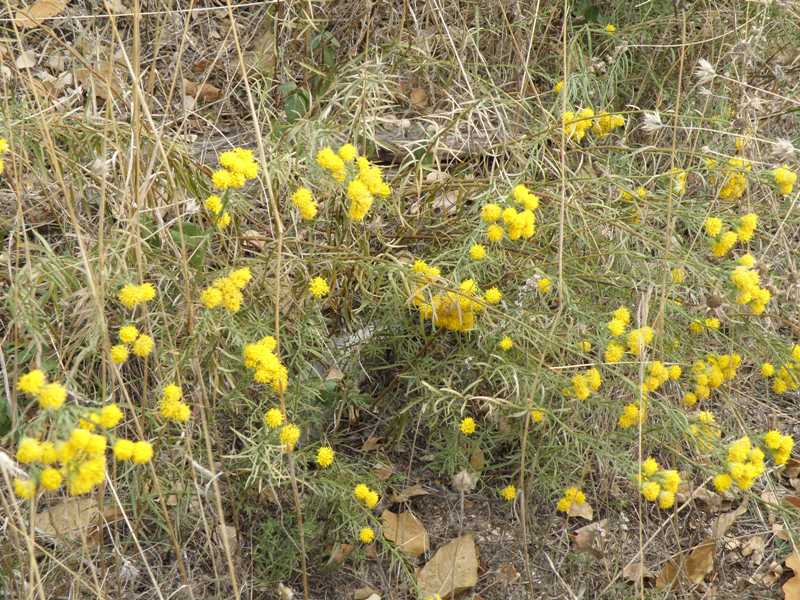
(37, 12)
(477, 460)
(371, 443)
(204, 91)
(418, 98)
(792, 501)
(363, 593)
(791, 589)
(583, 510)
(406, 531)
(73, 516)
(26, 60)
(453, 569)
(637, 572)
(754, 548)
(507, 574)
(668, 576)
(700, 561)
(339, 552)
(792, 468)
(103, 81)
(382, 471)
(406, 494)
(724, 522)
(591, 538)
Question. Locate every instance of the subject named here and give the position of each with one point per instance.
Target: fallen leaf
(768, 579)
(668, 576)
(724, 522)
(792, 501)
(39, 11)
(253, 238)
(754, 548)
(104, 81)
(791, 589)
(700, 561)
(779, 531)
(227, 533)
(418, 98)
(463, 481)
(477, 460)
(339, 553)
(382, 471)
(406, 531)
(591, 538)
(204, 91)
(334, 373)
(792, 468)
(406, 494)
(447, 202)
(583, 510)
(26, 60)
(371, 443)
(285, 593)
(363, 593)
(453, 569)
(637, 572)
(507, 574)
(71, 517)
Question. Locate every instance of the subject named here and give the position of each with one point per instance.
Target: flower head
(325, 456)
(318, 287)
(467, 426)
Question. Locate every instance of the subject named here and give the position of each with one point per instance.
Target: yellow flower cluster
(658, 374)
(619, 321)
(3, 150)
(784, 178)
(779, 445)
(266, 366)
(132, 295)
(518, 224)
(786, 378)
(725, 240)
(710, 374)
(227, 291)
(318, 287)
(366, 183)
(632, 416)
(50, 396)
(572, 495)
(584, 384)
(131, 341)
(214, 205)
(657, 484)
(238, 167)
(139, 453)
(576, 125)
(748, 284)
(710, 323)
(366, 496)
(704, 430)
(366, 535)
(606, 123)
(745, 465)
(273, 418)
(172, 407)
(305, 203)
(735, 182)
(639, 339)
(451, 310)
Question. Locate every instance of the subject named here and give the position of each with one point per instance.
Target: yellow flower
(649, 467)
(32, 382)
(666, 499)
(50, 479)
(613, 353)
(119, 354)
(52, 396)
(537, 416)
(25, 488)
(651, 490)
(477, 252)
(585, 346)
(214, 204)
(110, 416)
(211, 297)
(785, 179)
(678, 275)
(544, 285)
(360, 200)
(223, 221)
(558, 86)
(273, 418)
(143, 346)
(288, 436)
(123, 449)
(494, 233)
(128, 333)
(713, 226)
(490, 213)
(508, 493)
(366, 535)
(467, 426)
(723, 482)
(318, 287)
(610, 28)
(493, 296)
(347, 152)
(29, 450)
(142, 453)
(305, 203)
(506, 343)
(325, 456)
